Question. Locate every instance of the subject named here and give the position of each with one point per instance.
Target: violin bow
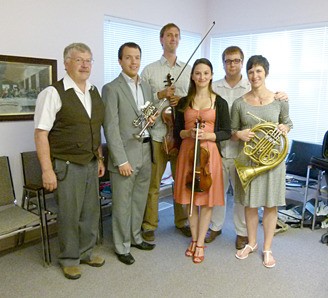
(194, 171)
(209, 30)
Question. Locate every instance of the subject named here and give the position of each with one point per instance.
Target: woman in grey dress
(267, 189)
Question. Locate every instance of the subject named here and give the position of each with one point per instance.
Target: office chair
(296, 172)
(318, 163)
(15, 220)
(34, 191)
(297, 161)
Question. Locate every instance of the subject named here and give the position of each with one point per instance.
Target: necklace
(259, 100)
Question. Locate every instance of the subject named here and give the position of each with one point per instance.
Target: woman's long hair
(192, 86)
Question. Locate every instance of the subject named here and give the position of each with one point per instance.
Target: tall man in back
(161, 76)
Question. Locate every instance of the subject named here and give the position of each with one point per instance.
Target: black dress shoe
(127, 259)
(144, 246)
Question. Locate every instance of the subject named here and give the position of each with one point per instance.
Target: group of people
(68, 120)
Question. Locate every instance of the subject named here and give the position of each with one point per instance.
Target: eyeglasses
(234, 61)
(81, 61)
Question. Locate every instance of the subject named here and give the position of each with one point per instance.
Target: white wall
(35, 28)
(263, 15)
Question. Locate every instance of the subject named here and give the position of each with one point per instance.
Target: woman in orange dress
(201, 103)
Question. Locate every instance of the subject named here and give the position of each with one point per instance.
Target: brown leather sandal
(191, 249)
(199, 259)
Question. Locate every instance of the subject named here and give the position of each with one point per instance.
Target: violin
(199, 179)
(169, 145)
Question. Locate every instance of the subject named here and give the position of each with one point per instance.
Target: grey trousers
(129, 196)
(78, 210)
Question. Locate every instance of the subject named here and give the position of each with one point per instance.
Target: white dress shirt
(229, 148)
(49, 103)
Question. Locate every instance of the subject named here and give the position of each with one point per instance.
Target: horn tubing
(263, 153)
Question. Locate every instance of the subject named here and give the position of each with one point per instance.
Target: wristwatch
(101, 158)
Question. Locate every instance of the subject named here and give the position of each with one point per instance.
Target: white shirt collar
(130, 80)
(163, 60)
(69, 83)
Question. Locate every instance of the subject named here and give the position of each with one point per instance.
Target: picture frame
(21, 80)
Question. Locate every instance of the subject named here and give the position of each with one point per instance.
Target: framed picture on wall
(21, 80)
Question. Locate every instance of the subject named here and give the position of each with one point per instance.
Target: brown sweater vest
(75, 136)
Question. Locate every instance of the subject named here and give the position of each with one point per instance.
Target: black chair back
(325, 146)
(299, 158)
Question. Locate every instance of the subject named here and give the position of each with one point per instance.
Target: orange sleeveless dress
(215, 194)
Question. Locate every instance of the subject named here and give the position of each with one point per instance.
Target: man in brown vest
(68, 118)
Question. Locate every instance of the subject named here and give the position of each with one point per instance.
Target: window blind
(118, 31)
(298, 66)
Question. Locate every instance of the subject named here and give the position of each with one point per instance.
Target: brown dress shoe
(72, 272)
(185, 230)
(211, 235)
(94, 261)
(241, 242)
(148, 235)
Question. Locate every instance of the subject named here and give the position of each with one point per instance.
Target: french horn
(267, 149)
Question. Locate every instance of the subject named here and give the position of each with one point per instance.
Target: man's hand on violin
(174, 100)
(166, 93)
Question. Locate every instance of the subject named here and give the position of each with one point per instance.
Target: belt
(146, 140)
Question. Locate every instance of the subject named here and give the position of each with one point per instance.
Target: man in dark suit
(129, 158)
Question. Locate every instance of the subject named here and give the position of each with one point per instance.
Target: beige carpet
(301, 271)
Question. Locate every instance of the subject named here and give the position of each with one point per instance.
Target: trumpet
(147, 110)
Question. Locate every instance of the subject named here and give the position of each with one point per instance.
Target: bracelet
(101, 158)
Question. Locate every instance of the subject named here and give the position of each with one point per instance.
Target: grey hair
(78, 46)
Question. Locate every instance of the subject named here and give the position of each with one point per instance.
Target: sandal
(267, 255)
(191, 249)
(240, 253)
(199, 259)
